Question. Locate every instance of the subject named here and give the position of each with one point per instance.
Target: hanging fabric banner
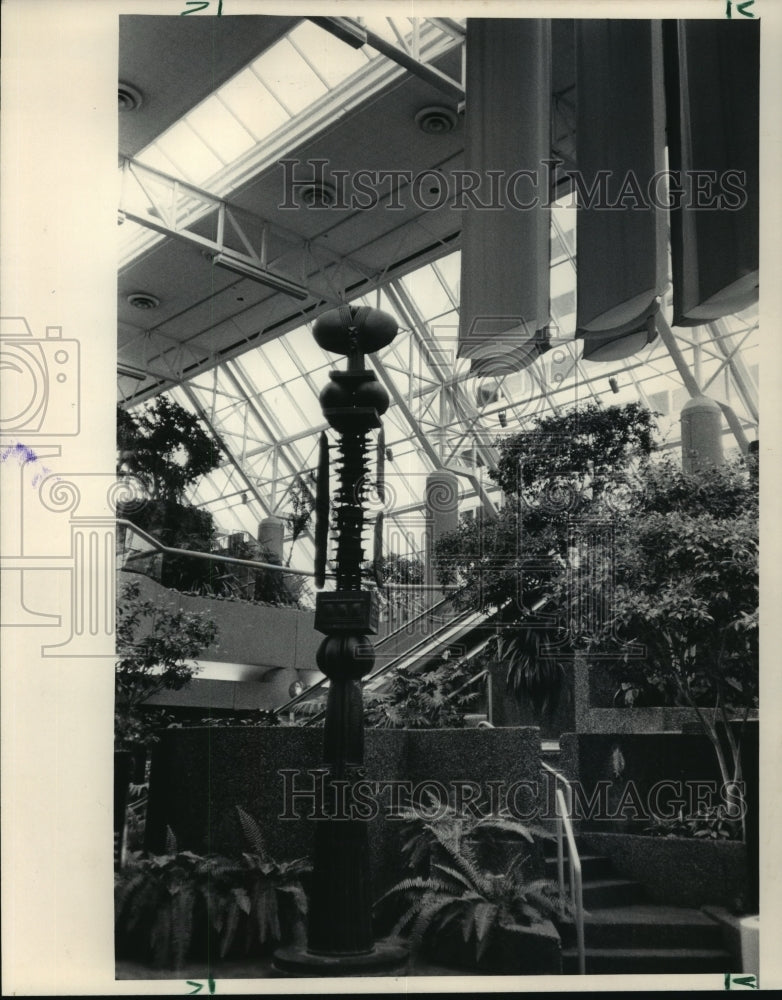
(620, 138)
(505, 250)
(712, 95)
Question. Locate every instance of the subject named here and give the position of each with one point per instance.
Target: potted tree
(166, 448)
(686, 587)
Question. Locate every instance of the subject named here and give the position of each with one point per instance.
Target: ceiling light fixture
(436, 120)
(143, 300)
(128, 97)
(614, 383)
(318, 195)
(250, 269)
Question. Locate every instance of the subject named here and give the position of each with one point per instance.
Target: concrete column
(442, 512)
(271, 534)
(701, 424)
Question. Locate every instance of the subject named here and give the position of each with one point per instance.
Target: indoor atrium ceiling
(240, 353)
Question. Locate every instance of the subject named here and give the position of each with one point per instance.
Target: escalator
(458, 631)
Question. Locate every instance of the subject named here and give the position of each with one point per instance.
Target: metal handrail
(323, 682)
(212, 556)
(564, 800)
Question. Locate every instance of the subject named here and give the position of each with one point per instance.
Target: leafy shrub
(455, 891)
(710, 823)
(431, 699)
(170, 908)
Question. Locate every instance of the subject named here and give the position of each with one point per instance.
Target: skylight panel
(220, 130)
(425, 290)
(153, 157)
(274, 354)
(382, 26)
(189, 153)
(331, 59)
(253, 104)
(306, 401)
(289, 77)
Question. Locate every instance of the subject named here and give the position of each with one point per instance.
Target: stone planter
(680, 871)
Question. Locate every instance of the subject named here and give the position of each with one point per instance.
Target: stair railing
(564, 813)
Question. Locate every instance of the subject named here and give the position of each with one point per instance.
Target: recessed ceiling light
(142, 300)
(128, 97)
(318, 195)
(436, 120)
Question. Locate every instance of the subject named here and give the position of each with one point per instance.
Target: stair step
(645, 925)
(550, 846)
(648, 960)
(593, 866)
(605, 892)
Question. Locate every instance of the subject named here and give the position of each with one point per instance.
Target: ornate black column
(340, 939)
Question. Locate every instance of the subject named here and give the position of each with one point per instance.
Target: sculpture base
(385, 959)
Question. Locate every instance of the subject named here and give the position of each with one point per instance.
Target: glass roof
(264, 404)
(213, 144)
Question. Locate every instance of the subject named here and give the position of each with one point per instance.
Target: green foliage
(302, 503)
(685, 588)
(454, 891)
(431, 699)
(402, 602)
(154, 644)
(165, 446)
(178, 524)
(424, 831)
(583, 449)
(710, 823)
(254, 718)
(169, 907)
(567, 467)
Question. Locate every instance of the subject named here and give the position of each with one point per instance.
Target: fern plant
(456, 892)
(172, 906)
(424, 833)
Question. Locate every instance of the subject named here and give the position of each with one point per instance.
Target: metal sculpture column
(340, 939)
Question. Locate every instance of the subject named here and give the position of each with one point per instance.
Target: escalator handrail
(393, 664)
(323, 682)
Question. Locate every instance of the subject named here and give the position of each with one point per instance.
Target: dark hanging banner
(505, 253)
(620, 140)
(712, 82)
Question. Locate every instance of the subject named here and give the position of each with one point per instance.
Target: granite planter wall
(679, 870)
(199, 775)
(618, 760)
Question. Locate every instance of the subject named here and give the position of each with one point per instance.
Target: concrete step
(593, 866)
(623, 961)
(605, 892)
(645, 925)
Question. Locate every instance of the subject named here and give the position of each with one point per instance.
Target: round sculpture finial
(351, 329)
